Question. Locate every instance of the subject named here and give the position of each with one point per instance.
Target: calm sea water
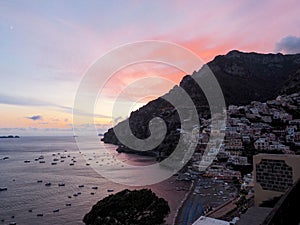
(26, 197)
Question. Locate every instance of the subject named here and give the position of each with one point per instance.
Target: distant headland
(10, 136)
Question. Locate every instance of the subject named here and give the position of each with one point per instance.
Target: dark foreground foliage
(137, 207)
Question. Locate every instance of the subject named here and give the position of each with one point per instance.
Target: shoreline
(187, 194)
(174, 192)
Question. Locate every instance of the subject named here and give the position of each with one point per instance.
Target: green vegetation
(137, 207)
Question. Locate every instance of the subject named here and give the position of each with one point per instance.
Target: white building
(261, 144)
(210, 221)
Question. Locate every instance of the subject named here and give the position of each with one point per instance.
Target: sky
(46, 47)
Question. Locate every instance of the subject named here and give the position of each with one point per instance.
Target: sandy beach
(174, 192)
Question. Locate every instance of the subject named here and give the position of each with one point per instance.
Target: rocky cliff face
(243, 77)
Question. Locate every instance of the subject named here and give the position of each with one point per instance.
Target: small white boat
(56, 210)
(3, 188)
(110, 190)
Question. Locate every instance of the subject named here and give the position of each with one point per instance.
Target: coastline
(174, 192)
(187, 194)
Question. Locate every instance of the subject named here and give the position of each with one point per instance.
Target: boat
(27, 161)
(95, 187)
(61, 184)
(81, 186)
(3, 188)
(110, 190)
(39, 181)
(68, 204)
(71, 164)
(48, 184)
(56, 210)
(41, 157)
(5, 158)
(53, 163)
(12, 223)
(42, 161)
(40, 214)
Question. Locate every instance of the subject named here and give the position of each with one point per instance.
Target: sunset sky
(47, 46)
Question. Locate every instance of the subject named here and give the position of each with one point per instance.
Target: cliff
(243, 77)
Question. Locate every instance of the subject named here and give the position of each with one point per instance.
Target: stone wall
(273, 175)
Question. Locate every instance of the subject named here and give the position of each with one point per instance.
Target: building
(235, 144)
(261, 144)
(273, 175)
(203, 220)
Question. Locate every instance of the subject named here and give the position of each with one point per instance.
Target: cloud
(23, 101)
(36, 131)
(34, 118)
(289, 44)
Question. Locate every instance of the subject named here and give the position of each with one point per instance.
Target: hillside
(243, 77)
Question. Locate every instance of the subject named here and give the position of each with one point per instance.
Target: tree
(137, 207)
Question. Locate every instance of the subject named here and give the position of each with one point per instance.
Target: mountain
(243, 77)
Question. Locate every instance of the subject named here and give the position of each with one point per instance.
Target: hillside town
(272, 127)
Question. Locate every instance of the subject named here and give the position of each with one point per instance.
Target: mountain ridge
(243, 77)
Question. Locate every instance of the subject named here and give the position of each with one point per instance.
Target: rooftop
(210, 221)
(254, 216)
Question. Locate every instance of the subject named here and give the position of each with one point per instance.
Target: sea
(29, 164)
